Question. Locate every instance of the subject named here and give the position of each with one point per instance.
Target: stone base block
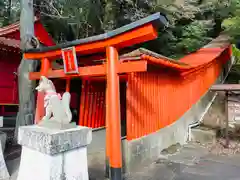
(55, 125)
(3, 139)
(3, 168)
(53, 141)
(51, 154)
(71, 165)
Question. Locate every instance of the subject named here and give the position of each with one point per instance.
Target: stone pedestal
(3, 168)
(3, 139)
(50, 154)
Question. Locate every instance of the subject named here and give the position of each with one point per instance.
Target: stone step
(202, 135)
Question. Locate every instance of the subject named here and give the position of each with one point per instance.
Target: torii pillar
(113, 114)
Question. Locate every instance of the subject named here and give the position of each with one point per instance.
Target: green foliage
(1, 12)
(193, 23)
(194, 35)
(236, 53)
(71, 19)
(231, 25)
(9, 12)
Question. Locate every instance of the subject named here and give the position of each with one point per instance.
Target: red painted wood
(12, 31)
(10, 59)
(8, 80)
(92, 105)
(139, 35)
(152, 97)
(82, 104)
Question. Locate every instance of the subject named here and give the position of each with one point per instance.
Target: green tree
(1, 12)
(231, 25)
(9, 12)
(193, 22)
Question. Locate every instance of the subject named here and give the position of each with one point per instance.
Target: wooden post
(113, 110)
(82, 103)
(227, 120)
(68, 83)
(45, 66)
(107, 136)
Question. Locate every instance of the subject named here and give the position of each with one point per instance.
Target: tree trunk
(26, 87)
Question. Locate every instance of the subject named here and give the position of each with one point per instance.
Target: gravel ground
(219, 147)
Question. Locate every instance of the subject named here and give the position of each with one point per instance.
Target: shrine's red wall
(13, 32)
(8, 80)
(10, 58)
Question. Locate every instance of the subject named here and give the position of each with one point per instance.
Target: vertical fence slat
(81, 106)
(86, 104)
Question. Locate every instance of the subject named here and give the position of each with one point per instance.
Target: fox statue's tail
(66, 104)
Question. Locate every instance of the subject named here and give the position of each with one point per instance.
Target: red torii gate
(110, 43)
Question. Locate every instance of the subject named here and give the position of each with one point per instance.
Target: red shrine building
(154, 99)
(10, 57)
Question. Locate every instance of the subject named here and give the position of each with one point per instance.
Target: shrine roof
(9, 42)
(157, 19)
(193, 61)
(9, 29)
(12, 31)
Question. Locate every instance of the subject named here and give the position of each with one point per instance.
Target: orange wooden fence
(158, 98)
(92, 104)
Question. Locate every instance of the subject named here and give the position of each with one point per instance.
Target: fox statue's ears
(44, 79)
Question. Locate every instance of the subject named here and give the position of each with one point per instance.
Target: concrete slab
(187, 176)
(203, 135)
(214, 169)
(188, 155)
(231, 160)
(204, 166)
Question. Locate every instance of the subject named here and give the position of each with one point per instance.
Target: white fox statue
(57, 107)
